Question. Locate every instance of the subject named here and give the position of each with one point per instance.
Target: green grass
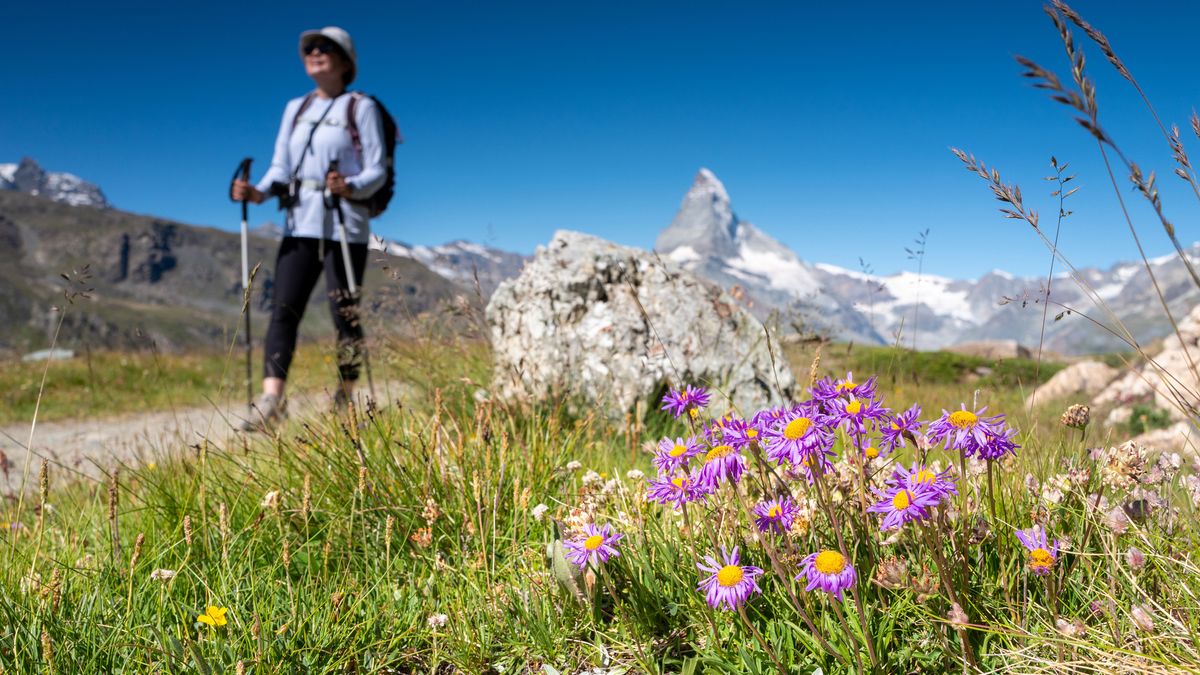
(427, 510)
(109, 383)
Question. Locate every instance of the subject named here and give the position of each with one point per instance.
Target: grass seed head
(306, 497)
(137, 550)
(47, 648)
(187, 530)
(44, 483)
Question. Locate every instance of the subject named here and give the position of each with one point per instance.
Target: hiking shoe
(341, 401)
(265, 413)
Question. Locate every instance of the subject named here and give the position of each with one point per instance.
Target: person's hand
(241, 191)
(337, 184)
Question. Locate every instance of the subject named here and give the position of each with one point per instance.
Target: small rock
(1084, 379)
(992, 349)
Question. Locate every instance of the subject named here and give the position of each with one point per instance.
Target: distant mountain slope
(463, 262)
(67, 188)
(154, 279)
(707, 237)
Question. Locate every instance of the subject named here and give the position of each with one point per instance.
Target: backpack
(377, 203)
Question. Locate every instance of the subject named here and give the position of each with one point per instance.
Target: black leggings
(296, 270)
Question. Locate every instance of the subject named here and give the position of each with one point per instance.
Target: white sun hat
(338, 37)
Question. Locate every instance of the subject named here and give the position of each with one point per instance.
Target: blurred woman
(315, 158)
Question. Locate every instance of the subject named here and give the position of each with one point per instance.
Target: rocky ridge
(30, 178)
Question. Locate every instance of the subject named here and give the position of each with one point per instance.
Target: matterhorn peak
(705, 224)
(706, 184)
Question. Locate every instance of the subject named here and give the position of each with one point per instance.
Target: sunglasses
(320, 47)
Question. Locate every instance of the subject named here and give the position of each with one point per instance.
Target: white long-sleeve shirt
(364, 174)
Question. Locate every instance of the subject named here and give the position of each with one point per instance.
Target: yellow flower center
(717, 453)
(752, 433)
(693, 412)
(926, 477)
(1040, 558)
(679, 482)
(895, 427)
(847, 385)
(730, 575)
(871, 452)
(796, 429)
(593, 542)
(902, 499)
(963, 419)
(830, 562)
(678, 450)
(853, 407)
(775, 511)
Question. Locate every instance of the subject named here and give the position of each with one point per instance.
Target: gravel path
(92, 447)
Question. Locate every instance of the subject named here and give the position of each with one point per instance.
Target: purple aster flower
(870, 451)
(1042, 555)
(722, 463)
(596, 546)
(829, 571)
(767, 417)
(893, 431)
(963, 429)
(673, 455)
(918, 477)
(677, 490)
(903, 504)
(797, 436)
(999, 443)
(730, 584)
(776, 514)
(715, 432)
(739, 433)
(855, 413)
(690, 400)
(816, 464)
(828, 389)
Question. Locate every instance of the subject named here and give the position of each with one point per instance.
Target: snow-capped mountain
(707, 237)
(67, 188)
(462, 262)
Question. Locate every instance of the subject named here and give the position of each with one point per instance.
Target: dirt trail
(90, 448)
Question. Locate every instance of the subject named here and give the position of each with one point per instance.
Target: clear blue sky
(828, 123)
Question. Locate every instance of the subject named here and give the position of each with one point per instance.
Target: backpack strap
(352, 123)
(308, 99)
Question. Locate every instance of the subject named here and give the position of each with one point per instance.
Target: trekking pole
(243, 171)
(336, 202)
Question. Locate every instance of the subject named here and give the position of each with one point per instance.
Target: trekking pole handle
(242, 172)
(329, 196)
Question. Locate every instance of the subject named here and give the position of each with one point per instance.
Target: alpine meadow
(712, 457)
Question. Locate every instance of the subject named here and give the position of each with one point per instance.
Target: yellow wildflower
(213, 616)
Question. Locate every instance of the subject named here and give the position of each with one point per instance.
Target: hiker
(315, 160)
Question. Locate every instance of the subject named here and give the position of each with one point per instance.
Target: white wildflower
(634, 474)
(438, 620)
(539, 511)
(162, 575)
(270, 500)
(1141, 618)
(1072, 629)
(574, 465)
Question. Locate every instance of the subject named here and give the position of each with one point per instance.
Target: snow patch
(780, 270)
(683, 254)
(931, 291)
